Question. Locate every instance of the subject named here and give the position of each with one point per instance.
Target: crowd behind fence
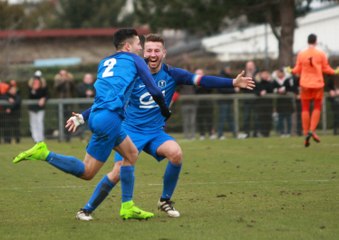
(263, 120)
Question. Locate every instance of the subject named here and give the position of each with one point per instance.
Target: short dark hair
(312, 38)
(155, 38)
(123, 34)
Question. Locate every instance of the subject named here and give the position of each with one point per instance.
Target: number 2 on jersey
(109, 64)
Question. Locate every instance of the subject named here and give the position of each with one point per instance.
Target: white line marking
(181, 184)
(247, 182)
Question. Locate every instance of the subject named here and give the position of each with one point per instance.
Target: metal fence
(208, 107)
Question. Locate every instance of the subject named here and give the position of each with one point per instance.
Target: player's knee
(175, 157)
(87, 176)
(133, 157)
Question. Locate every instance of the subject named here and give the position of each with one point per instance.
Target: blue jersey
(142, 112)
(116, 78)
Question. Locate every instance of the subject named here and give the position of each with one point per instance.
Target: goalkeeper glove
(336, 71)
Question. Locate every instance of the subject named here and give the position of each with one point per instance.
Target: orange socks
(305, 117)
(315, 118)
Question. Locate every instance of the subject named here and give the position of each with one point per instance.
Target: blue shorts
(147, 142)
(106, 133)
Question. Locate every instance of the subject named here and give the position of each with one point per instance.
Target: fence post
(323, 114)
(61, 120)
(236, 114)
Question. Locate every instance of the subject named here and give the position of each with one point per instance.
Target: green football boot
(38, 152)
(130, 211)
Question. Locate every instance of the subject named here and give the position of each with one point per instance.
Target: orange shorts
(311, 93)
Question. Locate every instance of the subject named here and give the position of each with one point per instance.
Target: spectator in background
(264, 106)
(37, 91)
(333, 86)
(12, 114)
(64, 84)
(204, 111)
(284, 84)
(3, 87)
(85, 89)
(175, 98)
(37, 74)
(188, 111)
(248, 113)
(226, 106)
(3, 91)
(64, 88)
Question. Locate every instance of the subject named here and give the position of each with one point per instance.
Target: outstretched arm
(187, 78)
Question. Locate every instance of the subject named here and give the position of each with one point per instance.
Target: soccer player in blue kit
(116, 77)
(145, 126)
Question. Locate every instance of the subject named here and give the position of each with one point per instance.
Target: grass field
(271, 188)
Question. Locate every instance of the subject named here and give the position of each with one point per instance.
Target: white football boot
(167, 207)
(84, 215)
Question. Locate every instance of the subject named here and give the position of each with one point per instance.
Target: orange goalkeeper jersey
(311, 64)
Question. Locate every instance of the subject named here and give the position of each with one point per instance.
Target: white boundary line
(247, 182)
(180, 184)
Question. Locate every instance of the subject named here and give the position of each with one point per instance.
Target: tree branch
(270, 21)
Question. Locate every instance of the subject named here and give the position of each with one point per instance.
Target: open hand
(243, 82)
(74, 121)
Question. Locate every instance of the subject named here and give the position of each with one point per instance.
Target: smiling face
(155, 52)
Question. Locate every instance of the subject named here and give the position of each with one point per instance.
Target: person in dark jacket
(12, 115)
(226, 106)
(85, 89)
(264, 106)
(249, 116)
(283, 85)
(3, 91)
(333, 87)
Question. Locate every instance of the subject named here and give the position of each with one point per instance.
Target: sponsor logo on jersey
(146, 101)
(162, 83)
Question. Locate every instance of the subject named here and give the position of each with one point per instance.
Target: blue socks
(100, 193)
(127, 182)
(170, 180)
(68, 164)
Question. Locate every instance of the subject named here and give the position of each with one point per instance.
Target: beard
(153, 65)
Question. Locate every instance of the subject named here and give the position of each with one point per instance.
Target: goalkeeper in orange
(310, 65)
